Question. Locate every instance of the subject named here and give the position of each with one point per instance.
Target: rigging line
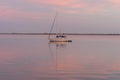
(52, 25)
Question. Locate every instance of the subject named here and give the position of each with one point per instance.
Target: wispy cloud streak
(65, 6)
(76, 6)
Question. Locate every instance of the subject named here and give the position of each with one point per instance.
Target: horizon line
(23, 33)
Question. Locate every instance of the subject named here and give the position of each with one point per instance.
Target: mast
(52, 26)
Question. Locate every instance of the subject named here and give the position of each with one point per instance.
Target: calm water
(34, 58)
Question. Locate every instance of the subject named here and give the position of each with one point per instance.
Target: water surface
(88, 57)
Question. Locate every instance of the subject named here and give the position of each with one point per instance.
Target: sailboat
(60, 37)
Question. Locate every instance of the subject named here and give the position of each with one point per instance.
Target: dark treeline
(56, 34)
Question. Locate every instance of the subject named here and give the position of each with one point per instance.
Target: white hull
(59, 40)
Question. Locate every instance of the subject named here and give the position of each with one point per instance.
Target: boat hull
(59, 40)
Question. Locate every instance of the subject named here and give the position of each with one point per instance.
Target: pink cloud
(52, 2)
(72, 6)
(115, 1)
(63, 6)
(8, 13)
(60, 5)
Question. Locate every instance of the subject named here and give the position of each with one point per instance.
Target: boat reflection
(59, 44)
(56, 49)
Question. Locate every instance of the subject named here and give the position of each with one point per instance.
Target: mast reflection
(58, 44)
(57, 48)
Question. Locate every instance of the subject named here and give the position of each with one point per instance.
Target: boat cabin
(60, 36)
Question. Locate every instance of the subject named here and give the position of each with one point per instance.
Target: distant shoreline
(54, 34)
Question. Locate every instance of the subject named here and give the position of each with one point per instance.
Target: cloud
(115, 1)
(67, 6)
(8, 13)
(52, 2)
(63, 6)
(73, 6)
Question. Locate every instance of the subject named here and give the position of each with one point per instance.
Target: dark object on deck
(60, 36)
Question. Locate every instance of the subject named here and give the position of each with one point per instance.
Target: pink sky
(66, 6)
(37, 10)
